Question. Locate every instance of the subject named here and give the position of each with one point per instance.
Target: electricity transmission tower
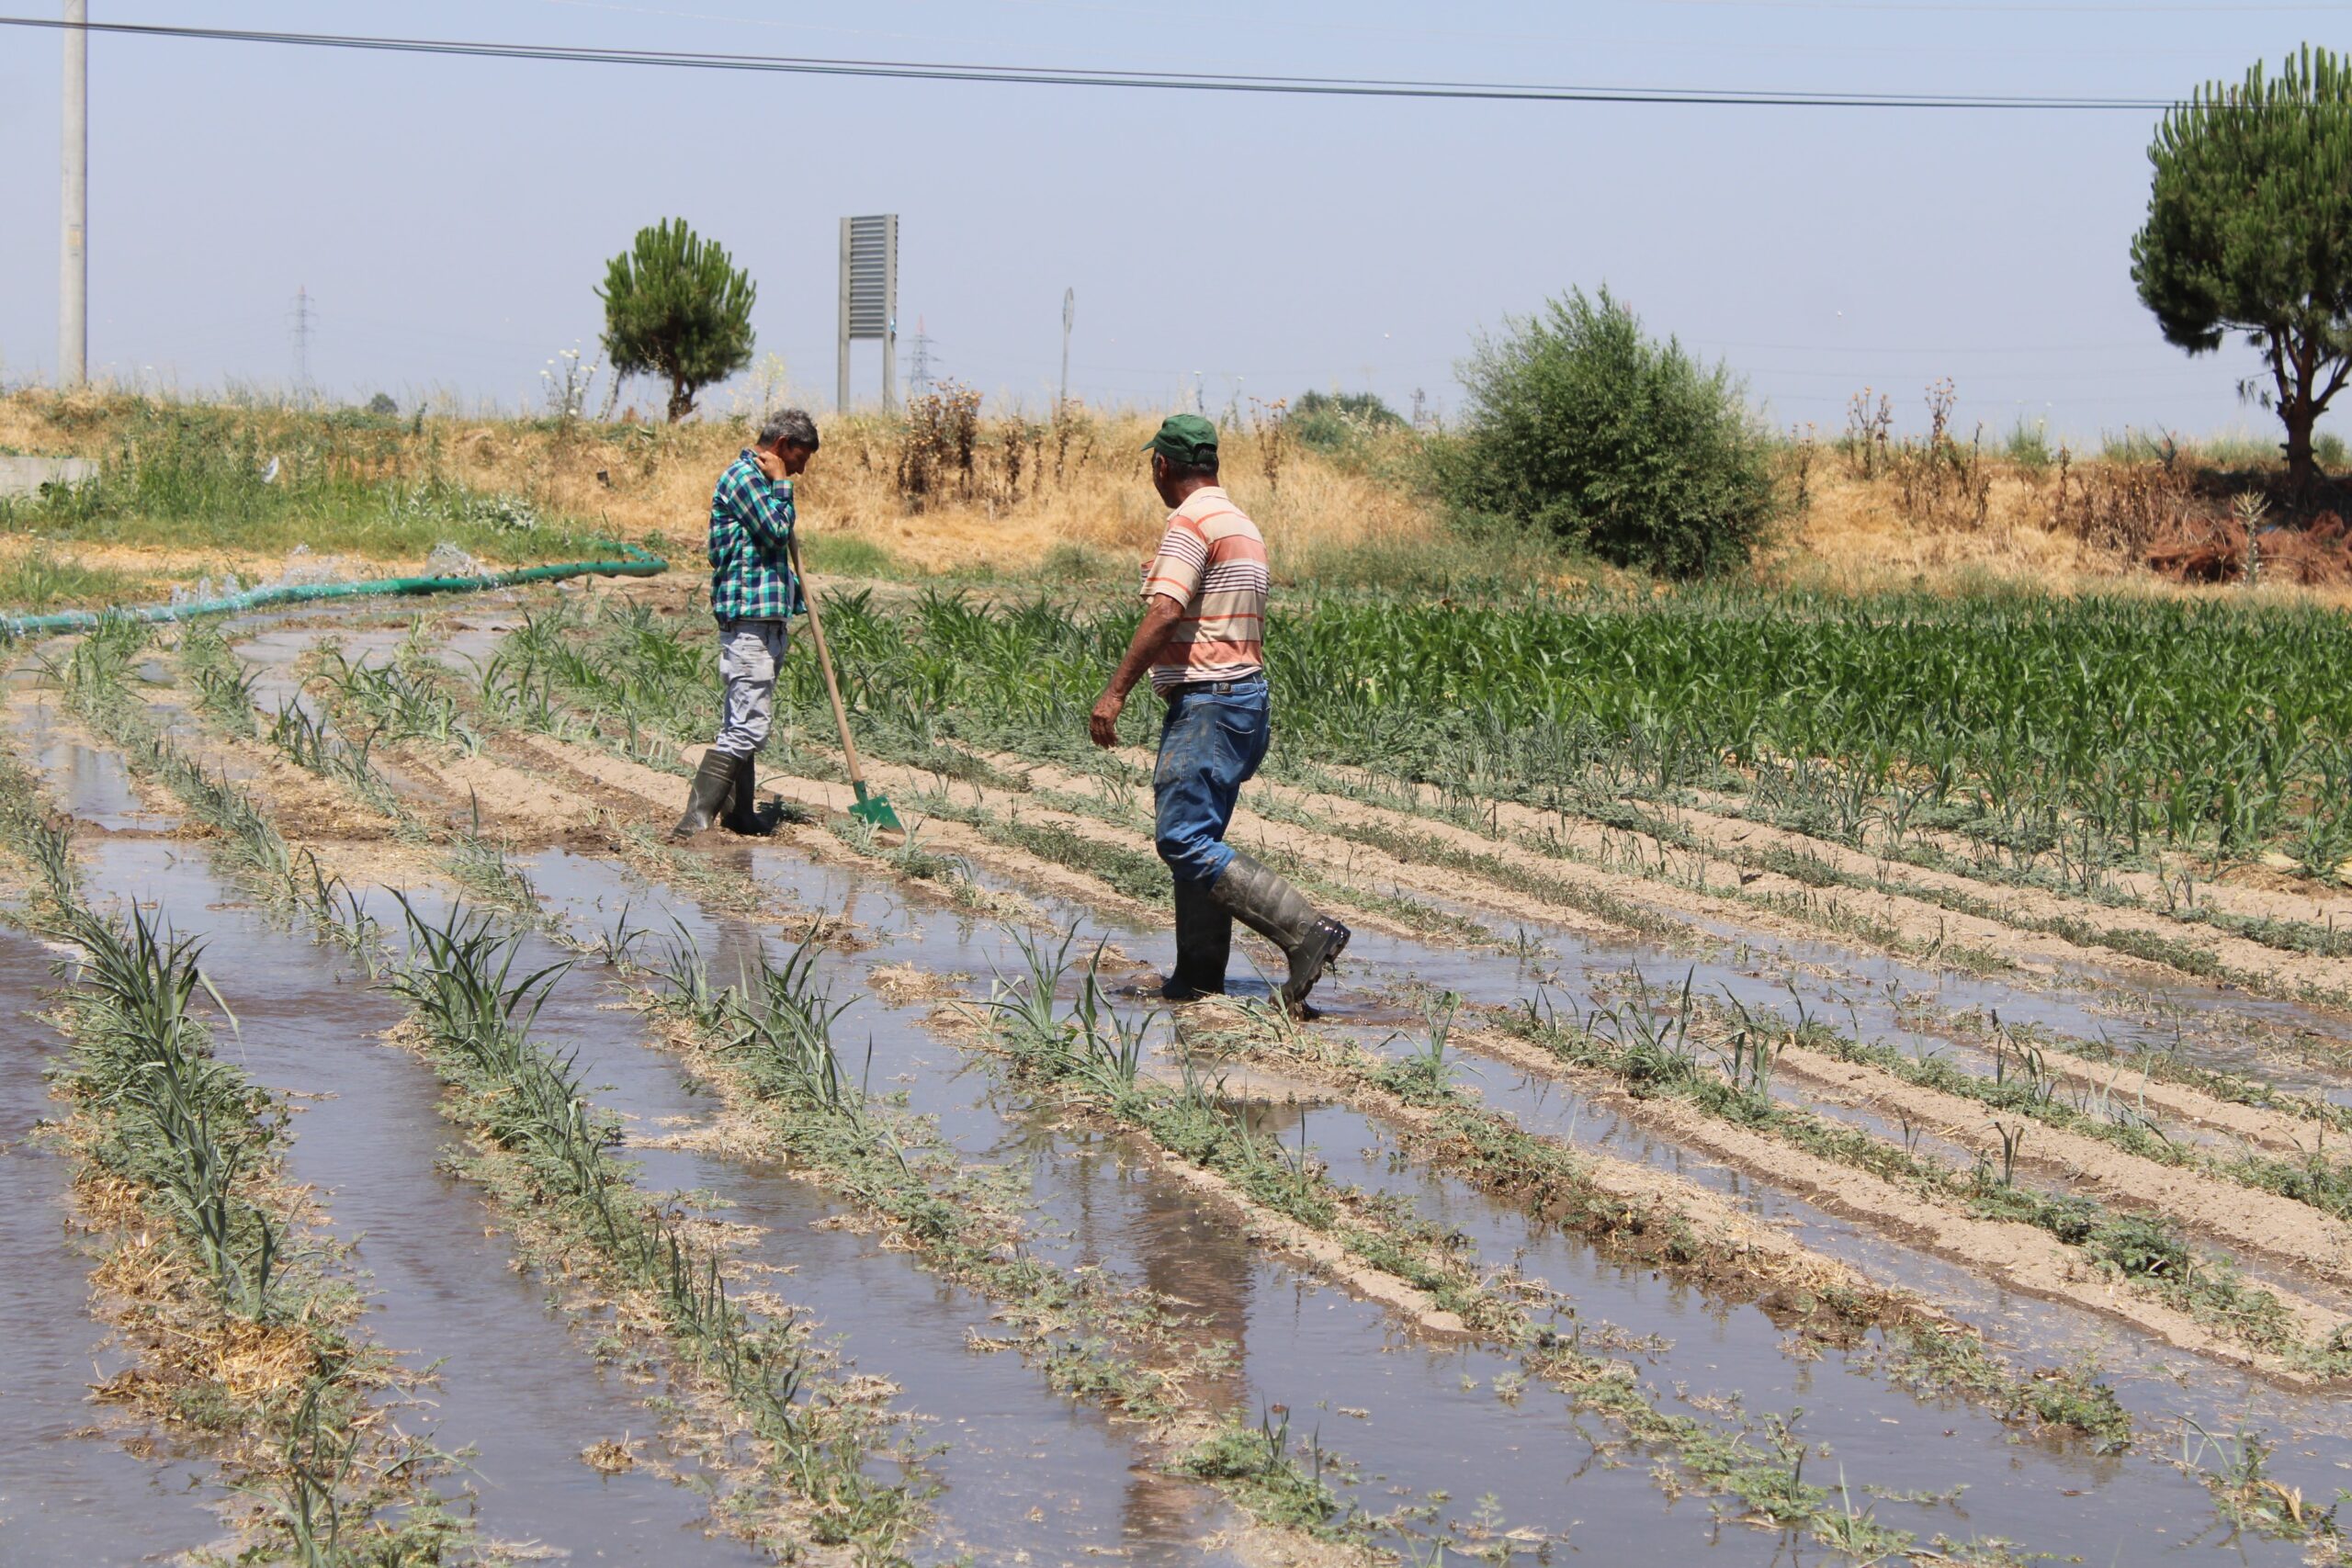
(303, 316)
(920, 379)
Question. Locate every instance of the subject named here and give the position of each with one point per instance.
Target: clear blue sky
(451, 218)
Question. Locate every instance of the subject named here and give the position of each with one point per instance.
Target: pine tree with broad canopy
(678, 307)
(2249, 231)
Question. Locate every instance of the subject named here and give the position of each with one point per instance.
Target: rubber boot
(1273, 909)
(706, 796)
(742, 814)
(1204, 946)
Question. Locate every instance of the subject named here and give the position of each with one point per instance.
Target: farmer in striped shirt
(1203, 643)
(753, 596)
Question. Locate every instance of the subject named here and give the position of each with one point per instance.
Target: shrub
(1580, 424)
(1332, 421)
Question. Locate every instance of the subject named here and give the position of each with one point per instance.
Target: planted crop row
(528, 1105)
(1088, 1057)
(771, 1036)
(1654, 1051)
(2145, 721)
(1372, 1230)
(1416, 1097)
(222, 1281)
(531, 1105)
(2024, 1084)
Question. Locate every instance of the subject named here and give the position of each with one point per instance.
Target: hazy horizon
(451, 218)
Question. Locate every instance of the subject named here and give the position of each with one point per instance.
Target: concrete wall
(25, 476)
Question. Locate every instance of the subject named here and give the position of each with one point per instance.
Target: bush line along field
(1348, 495)
(1708, 919)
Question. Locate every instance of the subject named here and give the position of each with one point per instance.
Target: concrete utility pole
(73, 267)
(1069, 310)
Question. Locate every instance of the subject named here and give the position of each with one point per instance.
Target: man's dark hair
(1179, 473)
(789, 427)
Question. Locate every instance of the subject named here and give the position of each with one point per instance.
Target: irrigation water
(75, 1485)
(1417, 1390)
(511, 1379)
(1440, 1428)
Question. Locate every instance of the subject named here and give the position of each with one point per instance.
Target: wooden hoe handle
(825, 662)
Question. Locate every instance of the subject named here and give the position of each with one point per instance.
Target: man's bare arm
(1159, 620)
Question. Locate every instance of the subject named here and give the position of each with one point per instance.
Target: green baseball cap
(1186, 439)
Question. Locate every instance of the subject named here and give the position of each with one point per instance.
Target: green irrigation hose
(639, 563)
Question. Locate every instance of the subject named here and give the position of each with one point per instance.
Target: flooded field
(530, 1188)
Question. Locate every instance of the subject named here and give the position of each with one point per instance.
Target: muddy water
(2212, 1025)
(976, 1129)
(2147, 1501)
(1024, 1470)
(272, 656)
(1418, 1426)
(87, 781)
(1419, 1418)
(514, 1382)
(69, 1489)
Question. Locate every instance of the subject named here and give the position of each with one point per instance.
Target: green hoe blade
(875, 808)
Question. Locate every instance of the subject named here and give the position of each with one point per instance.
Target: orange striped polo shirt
(1211, 561)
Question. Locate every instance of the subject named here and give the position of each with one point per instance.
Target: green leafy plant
(1582, 423)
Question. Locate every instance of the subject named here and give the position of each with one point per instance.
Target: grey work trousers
(748, 652)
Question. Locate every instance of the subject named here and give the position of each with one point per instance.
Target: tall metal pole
(1069, 309)
(73, 268)
(841, 400)
(890, 314)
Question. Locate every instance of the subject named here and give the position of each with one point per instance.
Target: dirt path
(1578, 885)
(1734, 842)
(2238, 1215)
(2014, 1254)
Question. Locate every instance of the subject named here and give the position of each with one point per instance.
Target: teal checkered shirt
(751, 525)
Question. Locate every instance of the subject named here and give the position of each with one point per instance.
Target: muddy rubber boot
(742, 814)
(1273, 909)
(706, 796)
(1204, 946)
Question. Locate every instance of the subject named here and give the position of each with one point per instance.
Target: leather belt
(1213, 688)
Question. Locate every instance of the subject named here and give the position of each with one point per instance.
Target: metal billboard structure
(870, 297)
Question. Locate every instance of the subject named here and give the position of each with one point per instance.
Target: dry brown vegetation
(1870, 509)
(947, 487)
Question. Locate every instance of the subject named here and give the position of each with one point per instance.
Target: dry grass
(1097, 499)
(1012, 497)
(1033, 490)
(1852, 536)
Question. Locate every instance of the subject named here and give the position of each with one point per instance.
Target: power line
(1057, 77)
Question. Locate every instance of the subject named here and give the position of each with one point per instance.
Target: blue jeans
(1210, 745)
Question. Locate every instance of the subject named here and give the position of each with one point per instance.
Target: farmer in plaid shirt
(753, 596)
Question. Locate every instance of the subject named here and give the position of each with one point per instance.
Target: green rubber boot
(742, 813)
(706, 796)
(1273, 909)
(1204, 946)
